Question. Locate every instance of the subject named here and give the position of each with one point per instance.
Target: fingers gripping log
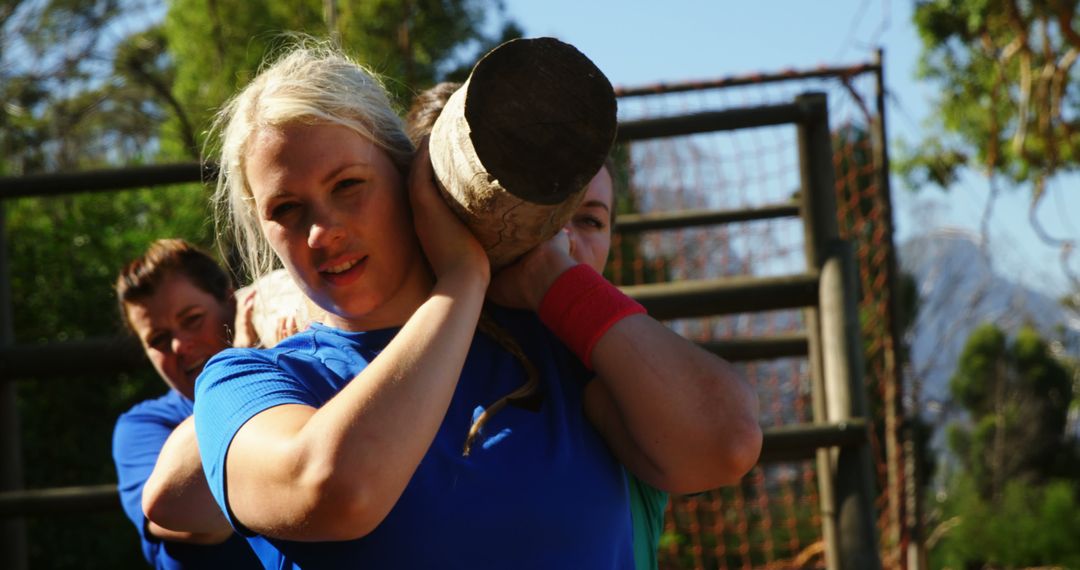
(516, 145)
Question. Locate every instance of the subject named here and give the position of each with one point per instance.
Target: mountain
(958, 291)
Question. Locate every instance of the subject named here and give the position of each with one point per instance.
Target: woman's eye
(193, 320)
(348, 185)
(158, 342)
(591, 222)
(282, 210)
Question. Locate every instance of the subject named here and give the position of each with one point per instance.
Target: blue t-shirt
(139, 435)
(540, 489)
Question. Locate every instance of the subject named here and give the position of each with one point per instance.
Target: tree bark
(516, 145)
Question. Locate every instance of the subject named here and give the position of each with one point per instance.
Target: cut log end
(542, 118)
(516, 145)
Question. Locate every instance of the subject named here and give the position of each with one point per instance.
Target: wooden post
(13, 541)
(902, 451)
(516, 145)
(835, 351)
(891, 382)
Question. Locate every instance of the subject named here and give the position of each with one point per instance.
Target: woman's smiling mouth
(344, 272)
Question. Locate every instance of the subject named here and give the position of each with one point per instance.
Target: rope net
(773, 518)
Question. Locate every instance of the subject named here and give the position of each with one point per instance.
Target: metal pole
(13, 554)
(842, 358)
(835, 351)
(904, 461)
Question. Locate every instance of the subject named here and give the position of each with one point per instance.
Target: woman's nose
(324, 231)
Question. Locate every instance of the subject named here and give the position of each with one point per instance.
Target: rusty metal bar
(57, 359)
(711, 121)
(801, 441)
(13, 544)
(88, 498)
(749, 79)
(786, 443)
(759, 348)
(123, 354)
(634, 223)
(105, 180)
(727, 296)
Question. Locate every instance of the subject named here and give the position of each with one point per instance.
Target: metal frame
(838, 435)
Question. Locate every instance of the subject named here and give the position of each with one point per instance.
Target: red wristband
(581, 306)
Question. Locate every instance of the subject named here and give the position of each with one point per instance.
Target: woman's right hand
(448, 244)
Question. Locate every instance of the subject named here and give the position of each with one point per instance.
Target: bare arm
(176, 498)
(335, 472)
(679, 417)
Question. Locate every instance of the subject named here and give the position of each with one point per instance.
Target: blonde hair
(310, 83)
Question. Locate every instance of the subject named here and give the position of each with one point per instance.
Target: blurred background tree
(1009, 91)
(1012, 501)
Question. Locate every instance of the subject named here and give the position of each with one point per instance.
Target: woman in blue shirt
(345, 444)
(179, 303)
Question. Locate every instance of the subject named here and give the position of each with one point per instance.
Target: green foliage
(979, 371)
(65, 253)
(1014, 503)
(413, 43)
(66, 106)
(421, 42)
(1008, 90)
(1018, 395)
(1028, 527)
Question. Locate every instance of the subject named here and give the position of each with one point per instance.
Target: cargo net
(773, 518)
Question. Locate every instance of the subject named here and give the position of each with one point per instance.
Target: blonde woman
(354, 443)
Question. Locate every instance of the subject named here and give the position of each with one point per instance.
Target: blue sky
(641, 41)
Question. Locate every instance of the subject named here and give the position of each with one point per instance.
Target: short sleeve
(235, 386)
(137, 441)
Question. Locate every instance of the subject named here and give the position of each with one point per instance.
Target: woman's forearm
(176, 495)
(689, 414)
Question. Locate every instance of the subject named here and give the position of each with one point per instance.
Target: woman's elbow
(743, 452)
(339, 509)
(731, 458)
(155, 505)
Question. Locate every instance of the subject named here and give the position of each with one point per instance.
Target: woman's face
(333, 207)
(590, 227)
(180, 327)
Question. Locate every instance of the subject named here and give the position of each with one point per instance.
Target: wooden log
(516, 145)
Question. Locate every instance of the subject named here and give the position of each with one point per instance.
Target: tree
(72, 98)
(1013, 504)
(1018, 396)
(413, 43)
(1028, 527)
(1007, 107)
(1009, 89)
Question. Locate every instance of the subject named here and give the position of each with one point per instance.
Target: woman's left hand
(447, 242)
(523, 283)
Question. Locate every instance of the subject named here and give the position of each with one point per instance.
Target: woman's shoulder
(299, 345)
(170, 405)
(317, 355)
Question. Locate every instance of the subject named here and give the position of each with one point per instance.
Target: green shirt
(647, 504)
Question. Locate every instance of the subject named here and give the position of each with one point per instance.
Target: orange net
(773, 518)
